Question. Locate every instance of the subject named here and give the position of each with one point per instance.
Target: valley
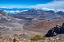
(29, 23)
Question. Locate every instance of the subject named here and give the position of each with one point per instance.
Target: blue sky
(39, 4)
(21, 3)
(24, 2)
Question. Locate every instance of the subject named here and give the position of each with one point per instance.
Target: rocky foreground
(16, 38)
(59, 37)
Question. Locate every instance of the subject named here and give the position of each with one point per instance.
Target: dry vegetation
(36, 38)
(14, 38)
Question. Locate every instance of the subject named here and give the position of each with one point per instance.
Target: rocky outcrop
(55, 31)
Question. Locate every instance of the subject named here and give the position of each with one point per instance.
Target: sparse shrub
(48, 20)
(37, 37)
(15, 35)
(0, 33)
(1, 37)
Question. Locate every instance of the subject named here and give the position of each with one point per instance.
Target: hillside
(10, 26)
(44, 25)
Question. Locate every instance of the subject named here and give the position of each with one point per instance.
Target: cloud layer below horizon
(57, 5)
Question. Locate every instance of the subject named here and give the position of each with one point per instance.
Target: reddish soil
(45, 25)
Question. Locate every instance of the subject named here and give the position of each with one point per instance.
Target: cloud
(58, 0)
(55, 5)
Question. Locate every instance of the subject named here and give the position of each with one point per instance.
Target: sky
(39, 4)
(21, 3)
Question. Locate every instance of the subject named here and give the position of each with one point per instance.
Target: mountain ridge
(39, 14)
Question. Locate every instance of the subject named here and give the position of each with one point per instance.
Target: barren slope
(45, 25)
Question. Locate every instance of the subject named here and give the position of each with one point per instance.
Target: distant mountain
(60, 13)
(50, 11)
(38, 13)
(33, 13)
